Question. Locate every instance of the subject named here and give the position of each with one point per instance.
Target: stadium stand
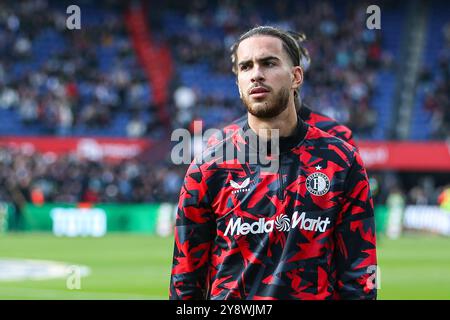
(432, 104)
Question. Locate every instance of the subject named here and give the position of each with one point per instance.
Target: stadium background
(86, 117)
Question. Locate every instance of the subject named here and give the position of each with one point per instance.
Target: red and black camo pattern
(315, 119)
(327, 124)
(215, 257)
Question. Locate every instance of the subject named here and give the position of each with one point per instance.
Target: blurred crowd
(437, 90)
(27, 176)
(90, 77)
(414, 188)
(81, 84)
(345, 59)
(62, 79)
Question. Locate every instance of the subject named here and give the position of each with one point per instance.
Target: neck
(285, 122)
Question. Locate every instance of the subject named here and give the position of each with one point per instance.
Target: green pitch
(127, 266)
(123, 266)
(414, 267)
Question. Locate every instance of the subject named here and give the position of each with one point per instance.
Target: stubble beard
(270, 108)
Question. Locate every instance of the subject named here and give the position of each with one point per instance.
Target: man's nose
(257, 75)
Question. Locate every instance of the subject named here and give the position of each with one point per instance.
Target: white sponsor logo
(240, 187)
(318, 183)
(281, 223)
(73, 222)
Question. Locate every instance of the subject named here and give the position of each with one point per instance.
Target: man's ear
(297, 77)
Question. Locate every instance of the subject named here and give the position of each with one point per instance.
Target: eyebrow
(261, 60)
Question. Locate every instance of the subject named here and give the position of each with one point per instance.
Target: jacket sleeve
(355, 255)
(194, 234)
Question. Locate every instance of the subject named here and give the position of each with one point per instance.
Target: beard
(269, 108)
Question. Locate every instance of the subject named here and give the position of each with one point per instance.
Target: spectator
(71, 179)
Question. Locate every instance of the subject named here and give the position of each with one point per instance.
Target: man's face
(265, 76)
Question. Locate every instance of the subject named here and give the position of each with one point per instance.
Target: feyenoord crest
(318, 183)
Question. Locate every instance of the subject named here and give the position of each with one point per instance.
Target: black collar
(286, 143)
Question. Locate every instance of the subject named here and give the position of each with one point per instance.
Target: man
(316, 119)
(304, 231)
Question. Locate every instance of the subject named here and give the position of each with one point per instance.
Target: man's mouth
(258, 91)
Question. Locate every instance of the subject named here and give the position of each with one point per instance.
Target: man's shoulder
(316, 118)
(327, 124)
(320, 140)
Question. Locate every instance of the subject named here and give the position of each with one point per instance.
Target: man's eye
(244, 67)
(270, 64)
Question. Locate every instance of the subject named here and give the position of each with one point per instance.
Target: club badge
(318, 183)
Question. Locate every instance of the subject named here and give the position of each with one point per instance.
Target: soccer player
(303, 231)
(316, 119)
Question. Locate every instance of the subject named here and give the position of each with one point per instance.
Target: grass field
(122, 266)
(127, 266)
